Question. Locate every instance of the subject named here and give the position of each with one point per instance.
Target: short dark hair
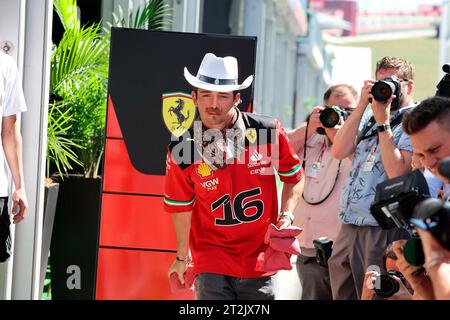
(429, 110)
(335, 88)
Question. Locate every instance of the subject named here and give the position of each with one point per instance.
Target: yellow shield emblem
(251, 135)
(204, 170)
(178, 112)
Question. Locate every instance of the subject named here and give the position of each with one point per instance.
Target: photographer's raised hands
(421, 284)
(381, 111)
(345, 140)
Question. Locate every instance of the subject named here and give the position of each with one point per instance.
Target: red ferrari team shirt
(231, 207)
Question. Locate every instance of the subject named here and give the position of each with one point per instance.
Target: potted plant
(79, 75)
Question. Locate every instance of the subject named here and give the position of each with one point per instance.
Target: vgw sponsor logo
(210, 184)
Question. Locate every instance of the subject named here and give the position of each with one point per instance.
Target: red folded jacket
(287, 245)
(282, 243)
(272, 260)
(274, 232)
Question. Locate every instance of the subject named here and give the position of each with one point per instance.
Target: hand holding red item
(175, 284)
(282, 244)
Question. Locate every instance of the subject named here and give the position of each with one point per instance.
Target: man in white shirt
(12, 102)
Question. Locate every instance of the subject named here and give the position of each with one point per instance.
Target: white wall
(351, 65)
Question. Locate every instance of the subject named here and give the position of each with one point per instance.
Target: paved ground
(288, 284)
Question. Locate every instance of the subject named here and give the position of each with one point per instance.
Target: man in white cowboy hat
(223, 202)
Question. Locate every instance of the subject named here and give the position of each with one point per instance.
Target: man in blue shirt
(380, 150)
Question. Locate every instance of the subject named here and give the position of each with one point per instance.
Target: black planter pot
(74, 241)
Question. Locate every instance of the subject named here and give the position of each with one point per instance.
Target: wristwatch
(185, 260)
(288, 214)
(383, 127)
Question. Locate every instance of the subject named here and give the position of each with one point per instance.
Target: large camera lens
(330, 117)
(382, 90)
(386, 285)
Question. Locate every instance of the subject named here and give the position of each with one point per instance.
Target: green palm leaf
(81, 55)
(68, 13)
(60, 148)
(78, 84)
(155, 15)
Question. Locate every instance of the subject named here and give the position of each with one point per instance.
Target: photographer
(372, 283)
(380, 150)
(419, 281)
(324, 178)
(428, 125)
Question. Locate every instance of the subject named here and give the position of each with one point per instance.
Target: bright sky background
(394, 5)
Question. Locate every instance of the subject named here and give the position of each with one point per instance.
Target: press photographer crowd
(364, 204)
(392, 239)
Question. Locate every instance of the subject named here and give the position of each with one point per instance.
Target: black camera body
(386, 285)
(330, 117)
(395, 199)
(324, 248)
(382, 90)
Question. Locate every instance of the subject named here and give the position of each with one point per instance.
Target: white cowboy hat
(217, 74)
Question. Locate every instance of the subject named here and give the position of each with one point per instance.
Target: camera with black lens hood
(382, 90)
(330, 117)
(385, 285)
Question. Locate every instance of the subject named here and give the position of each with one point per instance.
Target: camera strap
(304, 165)
(371, 123)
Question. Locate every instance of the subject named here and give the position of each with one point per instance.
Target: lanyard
(322, 151)
(320, 159)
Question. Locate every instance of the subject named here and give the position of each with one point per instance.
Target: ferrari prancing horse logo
(178, 112)
(251, 135)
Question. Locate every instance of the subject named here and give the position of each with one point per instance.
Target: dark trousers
(211, 286)
(5, 234)
(357, 250)
(315, 280)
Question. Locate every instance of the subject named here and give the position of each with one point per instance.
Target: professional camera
(433, 215)
(330, 117)
(382, 90)
(386, 285)
(324, 247)
(395, 202)
(396, 198)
